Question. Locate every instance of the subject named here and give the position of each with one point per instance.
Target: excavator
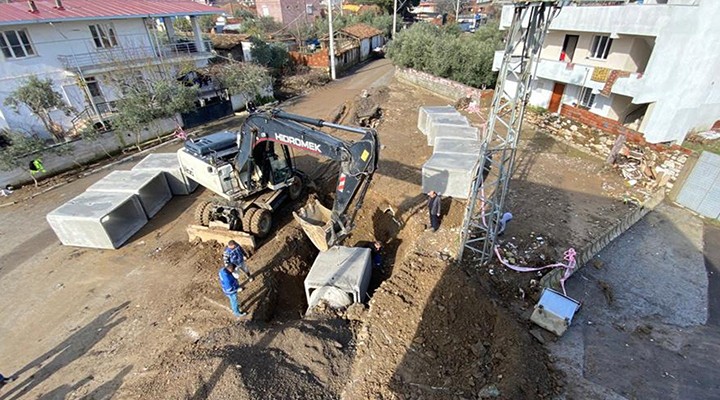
(253, 172)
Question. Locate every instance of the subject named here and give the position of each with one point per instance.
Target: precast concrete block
(452, 145)
(439, 123)
(150, 187)
(425, 111)
(101, 220)
(344, 268)
(449, 174)
(457, 132)
(169, 164)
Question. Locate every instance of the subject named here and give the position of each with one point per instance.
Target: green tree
(260, 27)
(182, 24)
(270, 55)
(145, 101)
(448, 53)
(242, 78)
(39, 96)
(207, 23)
(243, 14)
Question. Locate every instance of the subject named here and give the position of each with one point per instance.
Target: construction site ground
(149, 320)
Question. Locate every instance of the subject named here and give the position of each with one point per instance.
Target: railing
(121, 55)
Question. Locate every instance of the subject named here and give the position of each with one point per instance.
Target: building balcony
(117, 57)
(582, 75)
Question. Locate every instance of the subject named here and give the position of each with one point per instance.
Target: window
(587, 97)
(308, 9)
(265, 11)
(103, 36)
(600, 47)
(16, 44)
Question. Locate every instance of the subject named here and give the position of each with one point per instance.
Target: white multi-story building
(80, 43)
(652, 65)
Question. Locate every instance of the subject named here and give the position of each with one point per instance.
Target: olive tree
(39, 96)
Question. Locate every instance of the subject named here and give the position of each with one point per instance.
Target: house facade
(651, 66)
(367, 37)
(80, 44)
(289, 12)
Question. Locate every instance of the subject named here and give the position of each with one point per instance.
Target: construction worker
(6, 379)
(376, 251)
(36, 166)
(434, 210)
(234, 255)
(231, 287)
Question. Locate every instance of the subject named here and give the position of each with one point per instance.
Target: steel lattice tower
(485, 206)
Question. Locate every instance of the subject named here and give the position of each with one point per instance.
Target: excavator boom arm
(358, 159)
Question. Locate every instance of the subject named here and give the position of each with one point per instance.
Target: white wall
(681, 77)
(49, 42)
(85, 151)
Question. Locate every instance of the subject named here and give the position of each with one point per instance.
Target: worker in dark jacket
(234, 255)
(6, 379)
(231, 287)
(434, 210)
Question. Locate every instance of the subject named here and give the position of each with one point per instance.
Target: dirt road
(148, 320)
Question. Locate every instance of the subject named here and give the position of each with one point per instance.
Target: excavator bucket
(316, 221)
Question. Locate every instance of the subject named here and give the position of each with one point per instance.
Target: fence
(698, 187)
(444, 87)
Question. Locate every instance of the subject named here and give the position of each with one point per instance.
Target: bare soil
(149, 321)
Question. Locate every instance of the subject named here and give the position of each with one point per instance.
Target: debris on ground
(647, 166)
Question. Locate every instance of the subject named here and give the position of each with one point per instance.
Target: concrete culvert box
(440, 123)
(98, 220)
(449, 145)
(345, 269)
(150, 187)
(425, 112)
(449, 174)
(170, 165)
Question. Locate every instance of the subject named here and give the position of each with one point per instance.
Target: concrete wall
(444, 87)
(619, 107)
(85, 152)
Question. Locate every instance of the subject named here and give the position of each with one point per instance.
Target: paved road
(644, 331)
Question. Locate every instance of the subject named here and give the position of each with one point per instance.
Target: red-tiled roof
(362, 31)
(18, 12)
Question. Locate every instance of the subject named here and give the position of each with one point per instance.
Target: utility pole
(457, 11)
(332, 41)
(394, 19)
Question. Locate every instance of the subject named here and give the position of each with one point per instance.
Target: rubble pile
(641, 165)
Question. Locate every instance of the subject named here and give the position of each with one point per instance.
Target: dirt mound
(434, 332)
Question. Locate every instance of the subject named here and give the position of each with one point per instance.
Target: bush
(448, 53)
(272, 55)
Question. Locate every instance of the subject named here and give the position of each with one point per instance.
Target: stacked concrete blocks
(98, 220)
(439, 125)
(345, 268)
(150, 187)
(425, 112)
(449, 145)
(449, 174)
(169, 164)
(456, 151)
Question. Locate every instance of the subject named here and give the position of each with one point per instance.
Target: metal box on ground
(345, 268)
(554, 311)
(426, 111)
(457, 132)
(449, 174)
(151, 187)
(439, 123)
(98, 219)
(457, 146)
(169, 164)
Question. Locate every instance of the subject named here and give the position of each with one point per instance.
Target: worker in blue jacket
(233, 255)
(231, 287)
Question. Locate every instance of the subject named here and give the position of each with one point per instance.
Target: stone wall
(84, 152)
(444, 87)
